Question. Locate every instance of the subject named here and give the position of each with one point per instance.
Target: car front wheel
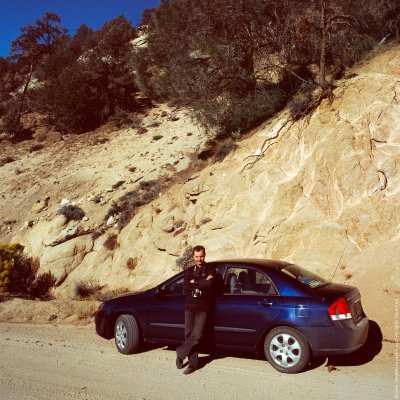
(126, 334)
(286, 349)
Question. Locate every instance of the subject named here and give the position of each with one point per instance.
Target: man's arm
(189, 281)
(208, 280)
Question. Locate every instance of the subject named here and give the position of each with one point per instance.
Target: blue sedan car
(286, 311)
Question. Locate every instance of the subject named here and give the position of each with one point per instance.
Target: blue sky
(15, 14)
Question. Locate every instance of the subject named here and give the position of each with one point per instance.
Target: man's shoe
(189, 370)
(179, 362)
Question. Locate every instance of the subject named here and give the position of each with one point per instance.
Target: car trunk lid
(333, 291)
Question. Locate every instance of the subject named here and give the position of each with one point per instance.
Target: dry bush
(109, 294)
(111, 243)
(86, 289)
(19, 274)
(71, 212)
(97, 199)
(224, 150)
(348, 275)
(97, 233)
(127, 205)
(157, 137)
(131, 263)
(6, 160)
(36, 147)
(301, 102)
(42, 286)
(116, 185)
(186, 260)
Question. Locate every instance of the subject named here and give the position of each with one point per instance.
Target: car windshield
(305, 277)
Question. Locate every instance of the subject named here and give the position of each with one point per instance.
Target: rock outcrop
(324, 194)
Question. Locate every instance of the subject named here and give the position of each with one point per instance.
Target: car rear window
(304, 276)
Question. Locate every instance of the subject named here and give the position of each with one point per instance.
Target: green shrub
(11, 122)
(7, 254)
(234, 115)
(73, 99)
(18, 274)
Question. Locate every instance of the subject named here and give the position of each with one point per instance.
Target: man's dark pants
(195, 323)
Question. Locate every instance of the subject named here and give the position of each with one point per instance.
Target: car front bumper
(102, 327)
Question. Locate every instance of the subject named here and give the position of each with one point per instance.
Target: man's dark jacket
(205, 300)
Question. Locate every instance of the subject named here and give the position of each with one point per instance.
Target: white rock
(64, 202)
(110, 221)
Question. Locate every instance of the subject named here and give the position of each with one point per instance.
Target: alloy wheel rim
(121, 335)
(285, 350)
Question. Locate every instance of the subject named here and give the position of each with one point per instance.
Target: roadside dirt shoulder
(72, 362)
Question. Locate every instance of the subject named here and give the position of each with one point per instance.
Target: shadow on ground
(371, 348)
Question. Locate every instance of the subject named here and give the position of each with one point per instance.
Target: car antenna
(340, 259)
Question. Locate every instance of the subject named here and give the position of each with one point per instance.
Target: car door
(165, 311)
(249, 304)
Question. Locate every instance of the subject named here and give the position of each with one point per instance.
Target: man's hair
(198, 248)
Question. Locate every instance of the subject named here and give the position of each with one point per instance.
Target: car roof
(274, 264)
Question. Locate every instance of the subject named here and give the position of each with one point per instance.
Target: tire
(127, 334)
(286, 350)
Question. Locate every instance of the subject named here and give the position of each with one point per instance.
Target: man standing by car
(199, 289)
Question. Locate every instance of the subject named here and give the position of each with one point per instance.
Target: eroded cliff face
(324, 194)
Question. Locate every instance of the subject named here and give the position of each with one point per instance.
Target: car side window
(174, 288)
(247, 281)
(264, 285)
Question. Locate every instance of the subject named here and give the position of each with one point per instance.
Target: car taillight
(339, 310)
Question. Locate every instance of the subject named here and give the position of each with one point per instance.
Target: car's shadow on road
(365, 354)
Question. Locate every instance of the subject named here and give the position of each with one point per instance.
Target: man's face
(199, 257)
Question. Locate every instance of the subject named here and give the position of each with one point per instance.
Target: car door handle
(265, 303)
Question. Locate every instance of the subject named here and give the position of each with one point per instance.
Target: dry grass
(85, 310)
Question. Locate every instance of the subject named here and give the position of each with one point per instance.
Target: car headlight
(100, 308)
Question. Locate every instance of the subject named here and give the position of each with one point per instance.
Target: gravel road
(71, 362)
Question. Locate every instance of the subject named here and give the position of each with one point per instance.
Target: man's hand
(209, 277)
(192, 281)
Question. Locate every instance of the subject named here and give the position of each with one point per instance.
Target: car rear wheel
(126, 334)
(286, 349)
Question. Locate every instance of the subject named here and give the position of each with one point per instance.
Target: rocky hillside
(321, 192)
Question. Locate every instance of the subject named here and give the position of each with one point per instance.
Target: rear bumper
(344, 337)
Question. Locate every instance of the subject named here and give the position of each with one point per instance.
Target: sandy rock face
(325, 194)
